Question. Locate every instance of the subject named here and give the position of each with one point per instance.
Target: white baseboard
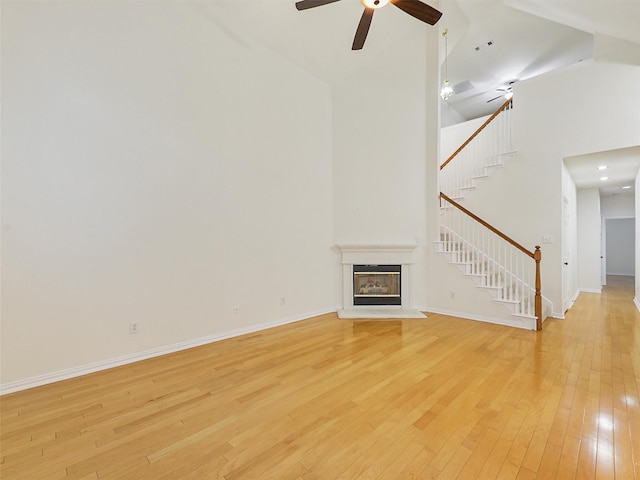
(637, 303)
(78, 371)
(590, 290)
(480, 318)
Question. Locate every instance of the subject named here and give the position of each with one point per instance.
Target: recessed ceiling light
(602, 167)
(626, 187)
(604, 178)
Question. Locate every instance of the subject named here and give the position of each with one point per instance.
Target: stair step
(515, 306)
(509, 153)
(474, 275)
(504, 300)
(494, 165)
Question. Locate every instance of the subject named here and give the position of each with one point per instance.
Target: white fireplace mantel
(377, 254)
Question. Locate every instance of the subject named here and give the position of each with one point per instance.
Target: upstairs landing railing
(503, 265)
(478, 153)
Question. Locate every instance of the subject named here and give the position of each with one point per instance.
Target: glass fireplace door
(376, 285)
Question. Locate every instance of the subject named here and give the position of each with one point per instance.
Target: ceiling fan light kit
(507, 89)
(415, 8)
(446, 91)
(374, 3)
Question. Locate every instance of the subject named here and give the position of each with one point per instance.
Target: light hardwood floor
(341, 399)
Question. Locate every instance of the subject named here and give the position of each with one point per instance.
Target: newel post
(537, 256)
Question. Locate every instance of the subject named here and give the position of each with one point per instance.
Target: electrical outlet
(133, 327)
(236, 308)
(282, 301)
(452, 295)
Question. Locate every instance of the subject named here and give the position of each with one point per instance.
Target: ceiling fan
(415, 8)
(507, 91)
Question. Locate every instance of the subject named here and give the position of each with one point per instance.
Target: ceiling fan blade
(304, 4)
(419, 10)
(363, 29)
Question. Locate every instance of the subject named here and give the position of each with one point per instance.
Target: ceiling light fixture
(626, 187)
(446, 91)
(374, 3)
(602, 167)
(604, 178)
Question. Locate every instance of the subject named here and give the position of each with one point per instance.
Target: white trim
(481, 318)
(401, 253)
(637, 303)
(586, 290)
(561, 316)
(78, 371)
(379, 312)
(376, 254)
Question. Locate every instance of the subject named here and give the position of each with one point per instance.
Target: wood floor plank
(568, 459)
(325, 398)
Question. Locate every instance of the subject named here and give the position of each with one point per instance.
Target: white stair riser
(487, 274)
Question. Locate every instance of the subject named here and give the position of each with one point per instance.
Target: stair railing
(499, 262)
(478, 153)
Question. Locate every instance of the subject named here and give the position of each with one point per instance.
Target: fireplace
(376, 281)
(377, 285)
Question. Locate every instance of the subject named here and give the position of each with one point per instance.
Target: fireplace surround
(377, 258)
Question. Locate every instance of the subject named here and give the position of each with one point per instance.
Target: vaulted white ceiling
(491, 43)
(500, 42)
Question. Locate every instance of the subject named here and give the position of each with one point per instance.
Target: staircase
(483, 152)
(497, 264)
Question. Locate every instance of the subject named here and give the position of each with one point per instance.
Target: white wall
(384, 127)
(636, 297)
(589, 251)
(618, 206)
(621, 246)
(615, 50)
(453, 136)
(571, 239)
(154, 170)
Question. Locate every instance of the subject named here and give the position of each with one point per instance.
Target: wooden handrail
(487, 225)
(536, 255)
(489, 120)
